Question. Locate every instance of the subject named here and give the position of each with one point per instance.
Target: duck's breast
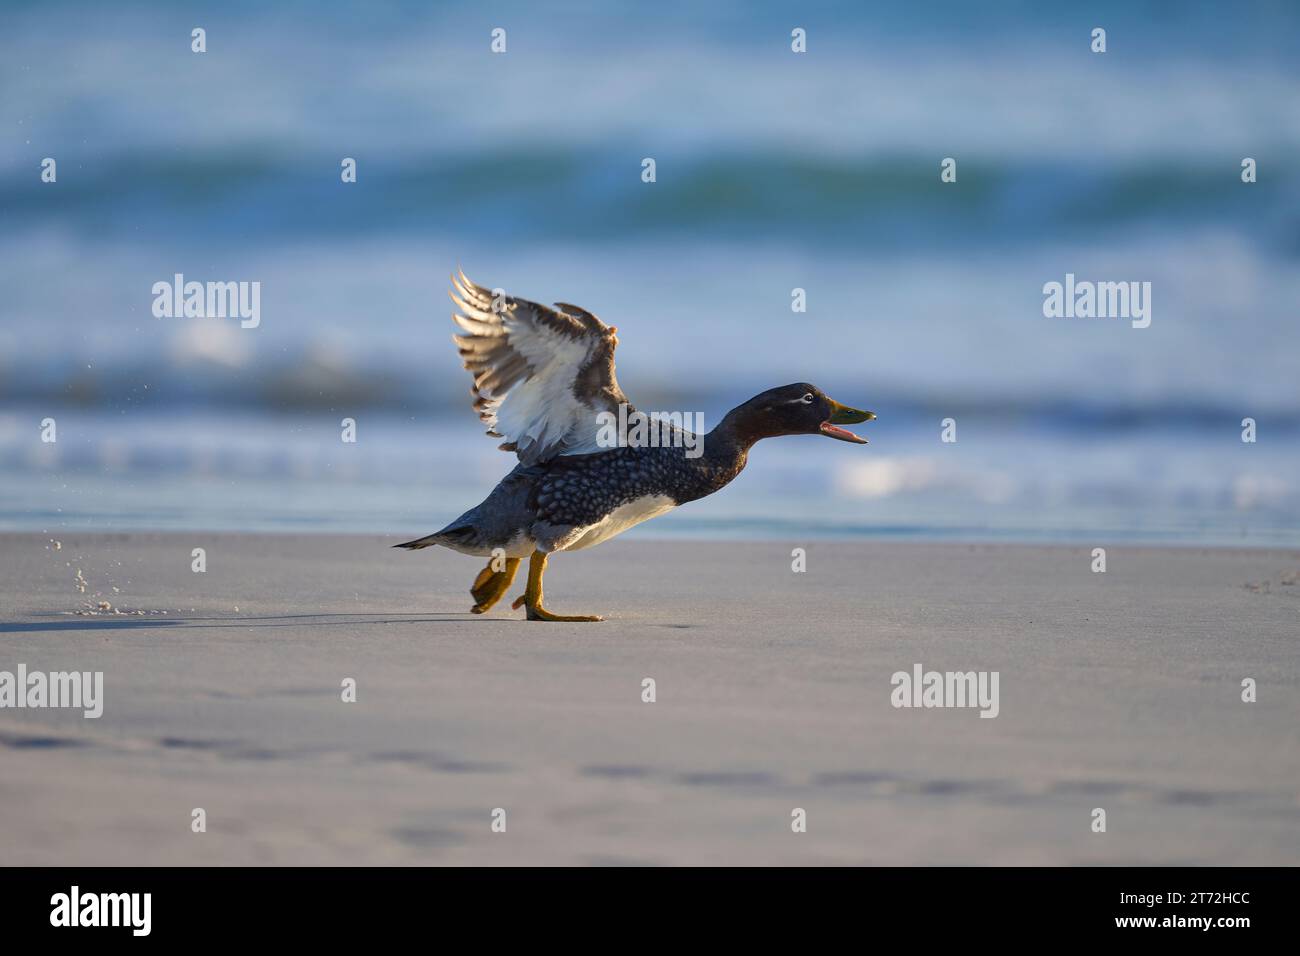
(625, 516)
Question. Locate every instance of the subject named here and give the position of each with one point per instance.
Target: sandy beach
(1119, 690)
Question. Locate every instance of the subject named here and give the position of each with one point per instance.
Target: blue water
(774, 171)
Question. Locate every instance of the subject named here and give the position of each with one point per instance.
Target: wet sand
(1119, 690)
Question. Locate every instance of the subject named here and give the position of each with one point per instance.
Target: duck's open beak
(843, 415)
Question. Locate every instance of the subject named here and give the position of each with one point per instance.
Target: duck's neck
(730, 441)
(739, 429)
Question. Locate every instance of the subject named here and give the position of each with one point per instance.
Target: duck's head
(800, 409)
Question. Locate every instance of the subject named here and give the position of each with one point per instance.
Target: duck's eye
(807, 399)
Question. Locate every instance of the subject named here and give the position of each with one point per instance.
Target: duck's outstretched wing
(541, 376)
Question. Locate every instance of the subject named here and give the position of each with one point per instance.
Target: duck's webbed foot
(535, 612)
(531, 599)
(491, 585)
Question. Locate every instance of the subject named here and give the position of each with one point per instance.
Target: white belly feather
(622, 518)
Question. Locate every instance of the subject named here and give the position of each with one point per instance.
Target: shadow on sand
(282, 620)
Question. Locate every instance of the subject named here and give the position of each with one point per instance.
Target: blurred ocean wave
(521, 193)
(365, 324)
(406, 473)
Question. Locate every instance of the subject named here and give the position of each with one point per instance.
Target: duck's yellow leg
(531, 599)
(491, 585)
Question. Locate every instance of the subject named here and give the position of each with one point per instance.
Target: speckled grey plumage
(547, 506)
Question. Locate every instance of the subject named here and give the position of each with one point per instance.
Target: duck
(543, 380)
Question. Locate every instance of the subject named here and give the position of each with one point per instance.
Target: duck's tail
(457, 536)
(428, 541)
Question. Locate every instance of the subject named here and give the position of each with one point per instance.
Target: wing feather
(541, 375)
